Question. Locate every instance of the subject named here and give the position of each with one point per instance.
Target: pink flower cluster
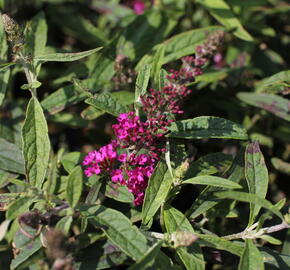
(131, 170)
(135, 135)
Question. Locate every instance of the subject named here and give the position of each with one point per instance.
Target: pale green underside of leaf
(65, 57)
(36, 145)
(274, 104)
(207, 127)
(213, 181)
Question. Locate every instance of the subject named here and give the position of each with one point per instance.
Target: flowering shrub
(138, 148)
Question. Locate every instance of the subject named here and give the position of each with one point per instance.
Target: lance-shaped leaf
(142, 82)
(119, 229)
(106, 102)
(11, 157)
(64, 57)
(36, 35)
(62, 98)
(275, 83)
(256, 175)
(222, 12)
(26, 252)
(209, 164)
(74, 186)
(251, 258)
(207, 127)
(4, 77)
(213, 181)
(191, 256)
(216, 242)
(250, 198)
(118, 193)
(36, 145)
(281, 165)
(156, 192)
(272, 103)
(157, 62)
(147, 260)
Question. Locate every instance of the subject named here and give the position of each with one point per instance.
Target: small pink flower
(139, 7)
(117, 177)
(122, 158)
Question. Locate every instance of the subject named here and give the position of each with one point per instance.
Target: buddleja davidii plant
(38, 188)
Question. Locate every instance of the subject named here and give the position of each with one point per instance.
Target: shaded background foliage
(75, 26)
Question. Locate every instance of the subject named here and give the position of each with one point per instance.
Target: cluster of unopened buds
(130, 159)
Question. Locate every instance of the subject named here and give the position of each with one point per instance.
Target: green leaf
(91, 113)
(142, 82)
(107, 103)
(11, 157)
(4, 78)
(64, 57)
(256, 175)
(275, 83)
(250, 198)
(156, 192)
(163, 262)
(153, 26)
(26, 252)
(148, 259)
(64, 97)
(210, 77)
(281, 165)
(209, 164)
(119, 230)
(4, 67)
(36, 35)
(191, 256)
(109, 256)
(157, 63)
(207, 127)
(221, 11)
(274, 260)
(220, 243)
(36, 145)
(213, 181)
(184, 44)
(74, 186)
(272, 103)
(53, 172)
(28, 86)
(64, 224)
(272, 240)
(118, 193)
(251, 258)
(70, 160)
(18, 207)
(94, 190)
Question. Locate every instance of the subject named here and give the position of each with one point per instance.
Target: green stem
(30, 75)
